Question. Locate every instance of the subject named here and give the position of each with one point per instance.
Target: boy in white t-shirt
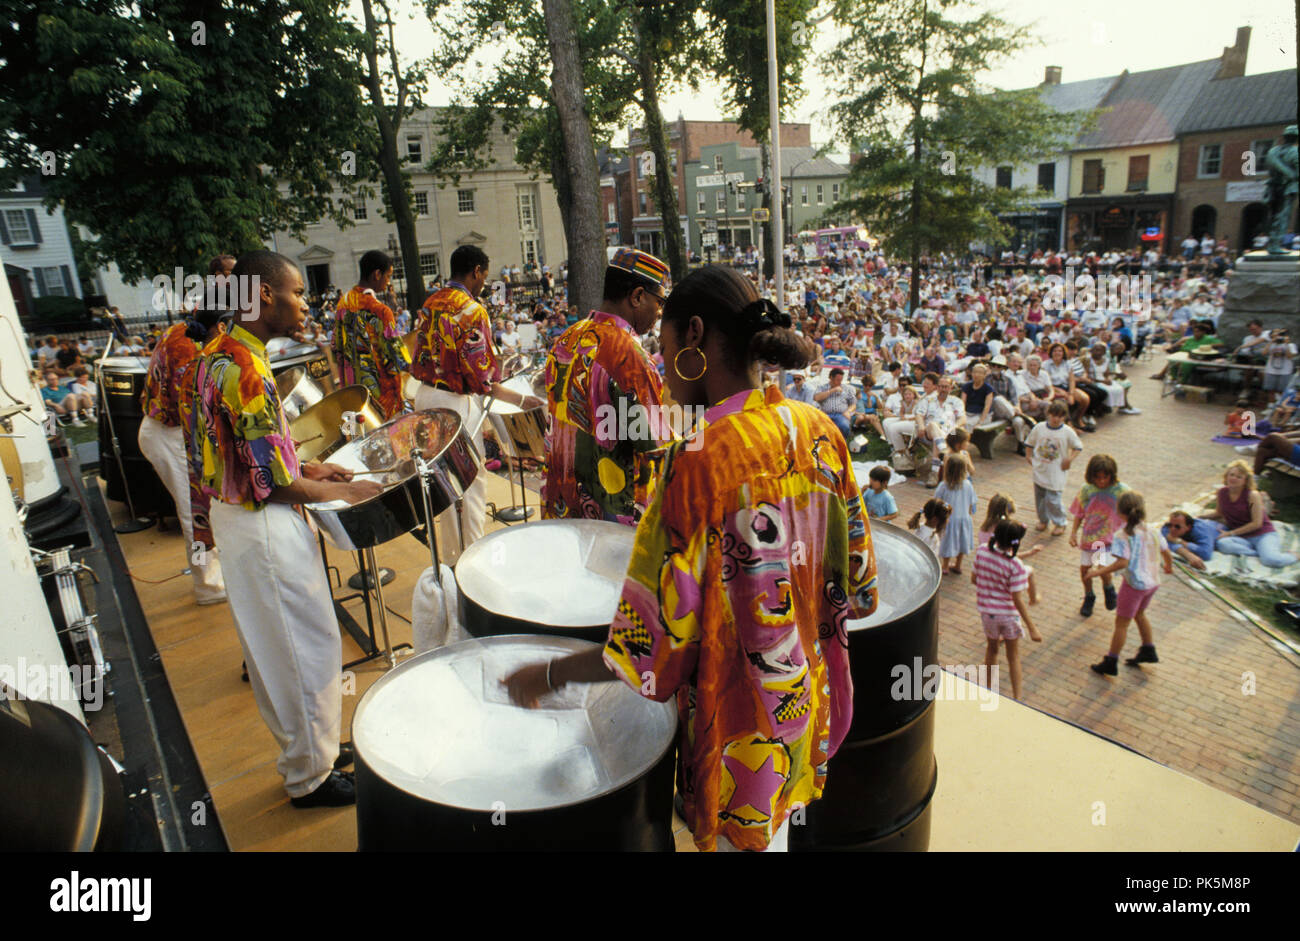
(1051, 447)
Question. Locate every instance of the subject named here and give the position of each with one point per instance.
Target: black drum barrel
(880, 782)
(123, 381)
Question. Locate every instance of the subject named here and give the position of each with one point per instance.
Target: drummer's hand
(356, 491)
(527, 685)
(330, 472)
(531, 402)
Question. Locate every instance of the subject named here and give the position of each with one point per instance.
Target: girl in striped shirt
(1001, 581)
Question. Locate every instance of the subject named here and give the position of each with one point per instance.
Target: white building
(35, 247)
(502, 209)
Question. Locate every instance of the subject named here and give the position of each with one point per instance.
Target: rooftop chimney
(1232, 64)
(1052, 76)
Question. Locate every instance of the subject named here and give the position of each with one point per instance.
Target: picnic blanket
(862, 473)
(1248, 569)
(1229, 439)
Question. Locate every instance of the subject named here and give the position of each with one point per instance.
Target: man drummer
(367, 342)
(456, 360)
(239, 448)
(162, 440)
(597, 376)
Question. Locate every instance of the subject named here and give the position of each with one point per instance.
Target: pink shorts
(1133, 600)
(1002, 627)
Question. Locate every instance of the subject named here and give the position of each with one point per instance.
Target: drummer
(367, 344)
(753, 555)
(240, 449)
(162, 441)
(456, 360)
(597, 368)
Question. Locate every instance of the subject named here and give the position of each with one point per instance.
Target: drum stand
(514, 513)
(136, 523)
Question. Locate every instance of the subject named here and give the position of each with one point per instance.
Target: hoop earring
(703, 369)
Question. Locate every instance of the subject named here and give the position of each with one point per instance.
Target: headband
(762, 314)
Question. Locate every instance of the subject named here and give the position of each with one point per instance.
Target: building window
(1260, 149)
(20, 233)
(1004, 178)
(414, 148)
(1211, 160)
(459, 153)
(803, 196)
(643, 204)
(421, 203)
(721, 197)
(821, 200)
(527, 213)
(699, 200)
(613, 213)
(528, 249)
(359, 208)
(1094, 177)
(52, 278)
(1139, 169)
(1047, 177)
(835, 192)
(717, 163)
(465, 202)
(429, 266)
(740, 200)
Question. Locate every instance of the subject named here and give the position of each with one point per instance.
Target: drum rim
(576, 645)
(473, 551)
(908, 538)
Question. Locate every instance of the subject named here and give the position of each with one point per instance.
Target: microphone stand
(135, 523)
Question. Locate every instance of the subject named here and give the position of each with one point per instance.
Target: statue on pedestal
(1283, 162)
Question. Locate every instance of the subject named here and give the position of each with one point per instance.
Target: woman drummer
(753, 555)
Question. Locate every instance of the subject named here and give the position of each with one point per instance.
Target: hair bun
(762, 313)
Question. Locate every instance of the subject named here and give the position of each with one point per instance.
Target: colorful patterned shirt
(1144, 551)
(1100, 512)
(162, 385)
(453, 347)
(238, 440)
(369, 348)
(747, 566)
(604, 400)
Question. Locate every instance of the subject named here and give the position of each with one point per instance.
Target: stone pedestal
(1262, 287)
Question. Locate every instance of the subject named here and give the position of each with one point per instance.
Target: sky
(1092, 40)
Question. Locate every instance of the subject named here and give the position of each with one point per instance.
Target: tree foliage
(181, 128)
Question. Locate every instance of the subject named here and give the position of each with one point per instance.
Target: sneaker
(1108, 666)
(1130, 410)
(1246, 448)
(1089, 601)
(63, 421)
(338, 790)
(1111, 596)
(77, 423)
(1146, 654)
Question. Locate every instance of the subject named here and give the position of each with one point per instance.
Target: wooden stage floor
(1010, 777)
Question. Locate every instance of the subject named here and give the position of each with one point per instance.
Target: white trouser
(898, 431)
(284, 614)
(1002, 409)
(165, 449)
(470, 409)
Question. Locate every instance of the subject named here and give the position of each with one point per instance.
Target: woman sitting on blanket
(1249, 531)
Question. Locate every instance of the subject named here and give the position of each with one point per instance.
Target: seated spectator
(1248, 530)
(798, 390)
(868, 412)
(1254, 345)
(84, 386)
(1192, 540)
(838, 402)
(938, 413)
(1102, 371)
(978, 398)
(68, 406)
(977, 348)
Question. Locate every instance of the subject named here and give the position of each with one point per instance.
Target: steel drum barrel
(559, 577)
(880, 783)
(123, 379)
(445, 762)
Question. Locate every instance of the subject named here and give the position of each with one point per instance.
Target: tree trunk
(586, 235)
(665, 176)
(914, 290)
(394, 181)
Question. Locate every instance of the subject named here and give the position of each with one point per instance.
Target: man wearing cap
(456, 361)
(604, 399)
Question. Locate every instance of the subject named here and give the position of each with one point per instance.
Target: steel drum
(121, 382)
(880, 782)
(435, 435)
(522, 432)
(561, 577)
(298, 391)
(319, 431)
(444, 761)
(284, 354)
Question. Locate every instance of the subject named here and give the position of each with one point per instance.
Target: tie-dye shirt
(238, 440)
(173, 353)
(604, 400)
(1100, 511)
(369, 348)
(747, 565)
(453, 345)
(1143, 550)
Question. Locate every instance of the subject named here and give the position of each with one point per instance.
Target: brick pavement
(1189, 711)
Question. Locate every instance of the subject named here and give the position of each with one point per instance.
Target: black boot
(1146, 654)
(1089, 600)
(1107, 667)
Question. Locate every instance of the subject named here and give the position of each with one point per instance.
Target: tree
(177, 129)
(908, 73)
(404, 88)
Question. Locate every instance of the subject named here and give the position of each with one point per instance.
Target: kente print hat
(649, 268)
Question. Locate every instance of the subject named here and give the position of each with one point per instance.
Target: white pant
(898, 431)
(470, 409)
(284, 614)
(165, 449)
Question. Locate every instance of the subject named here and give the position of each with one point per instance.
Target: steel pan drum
(521, 432)
(298, 391)
(318, 431)
(121, 382)
(560, 577)
(444, 761)
(435, 435)
(284, 354)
